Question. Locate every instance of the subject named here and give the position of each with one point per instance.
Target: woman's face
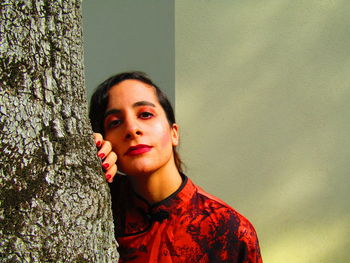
(138, 129)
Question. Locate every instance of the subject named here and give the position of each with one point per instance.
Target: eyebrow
(143, 103)
(136, 104)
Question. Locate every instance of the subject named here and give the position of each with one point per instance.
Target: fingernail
(108, 176)
(98, 144)
(105, 166)
(101, 155)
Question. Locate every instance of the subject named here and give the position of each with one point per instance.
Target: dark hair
(99, 102)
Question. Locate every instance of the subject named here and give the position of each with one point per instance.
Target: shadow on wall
(267, 129)
(129, 35)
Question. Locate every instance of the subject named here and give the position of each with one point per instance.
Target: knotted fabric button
(160, 215)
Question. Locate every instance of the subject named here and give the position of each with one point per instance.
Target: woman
(159, 214)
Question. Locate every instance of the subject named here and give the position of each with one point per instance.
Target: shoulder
(220, 225)
(120, 191)
(222, 213)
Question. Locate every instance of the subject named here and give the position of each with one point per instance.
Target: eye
(145, 115)
(114, 123)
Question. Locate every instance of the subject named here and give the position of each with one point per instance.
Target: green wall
(129, 35)
(262, 97)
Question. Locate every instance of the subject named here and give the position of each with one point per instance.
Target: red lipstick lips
(138, 149)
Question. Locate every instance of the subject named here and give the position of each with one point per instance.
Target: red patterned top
(188, 226)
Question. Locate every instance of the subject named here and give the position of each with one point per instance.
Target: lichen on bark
(54, 202)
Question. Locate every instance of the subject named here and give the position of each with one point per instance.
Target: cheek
(164, 135)
(113, 141)
(166, 139)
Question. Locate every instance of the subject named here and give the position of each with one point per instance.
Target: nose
(133, 130)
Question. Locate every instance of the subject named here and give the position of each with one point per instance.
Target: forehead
(130, 91)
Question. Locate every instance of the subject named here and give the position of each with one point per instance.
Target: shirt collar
(172, 202)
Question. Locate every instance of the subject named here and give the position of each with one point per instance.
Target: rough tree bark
(55, 205)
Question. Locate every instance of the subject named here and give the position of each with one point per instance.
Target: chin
(143, 167)
(138, 169)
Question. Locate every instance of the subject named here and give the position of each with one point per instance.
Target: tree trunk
(55, 204)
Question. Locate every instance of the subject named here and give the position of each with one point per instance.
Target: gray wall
(129, 35)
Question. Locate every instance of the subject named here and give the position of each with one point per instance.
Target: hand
(107, 156)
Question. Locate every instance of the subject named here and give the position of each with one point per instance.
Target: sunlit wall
(262, 97)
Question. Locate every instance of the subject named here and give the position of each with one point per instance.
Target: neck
(158, 185)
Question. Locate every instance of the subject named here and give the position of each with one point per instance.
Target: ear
(175, 134)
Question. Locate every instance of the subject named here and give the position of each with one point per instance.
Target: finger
(109, 160)
(98, 139)
(111, 172)
(106, 148)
